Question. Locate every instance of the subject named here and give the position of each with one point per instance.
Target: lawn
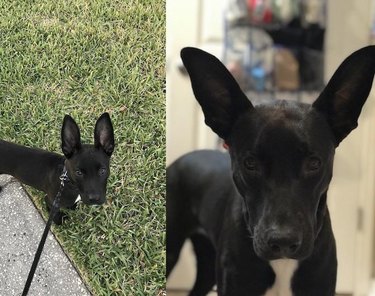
(84, 58)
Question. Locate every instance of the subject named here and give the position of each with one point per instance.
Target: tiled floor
(372, 293)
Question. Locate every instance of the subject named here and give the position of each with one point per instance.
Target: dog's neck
(284, 270)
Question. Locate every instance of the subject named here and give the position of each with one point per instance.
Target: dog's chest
(284, 270)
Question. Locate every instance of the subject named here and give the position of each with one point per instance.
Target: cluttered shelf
(276, 46)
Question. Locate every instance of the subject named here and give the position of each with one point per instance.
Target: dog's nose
(94, 198)
(283, 243)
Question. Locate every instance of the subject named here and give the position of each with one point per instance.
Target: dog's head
(88, 165)
(282, 153)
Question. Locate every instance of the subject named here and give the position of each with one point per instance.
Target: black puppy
(258, 218)
(87, 166)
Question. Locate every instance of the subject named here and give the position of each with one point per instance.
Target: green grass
(83, 58)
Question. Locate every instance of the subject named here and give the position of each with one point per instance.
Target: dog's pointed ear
(218, 93)
(103, 134)
(70, 137)
(342, 99)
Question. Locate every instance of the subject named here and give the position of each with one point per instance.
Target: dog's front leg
(240, 271)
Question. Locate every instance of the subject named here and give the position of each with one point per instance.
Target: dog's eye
(79, 173)
(102, 171)
(313, 164)
(251, 164)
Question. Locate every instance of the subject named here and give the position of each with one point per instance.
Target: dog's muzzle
(278, 242)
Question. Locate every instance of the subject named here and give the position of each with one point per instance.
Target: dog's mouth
(269, 255)
(94, 203)
(277, 252)
(90, 201)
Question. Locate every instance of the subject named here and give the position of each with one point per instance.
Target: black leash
(54, 210)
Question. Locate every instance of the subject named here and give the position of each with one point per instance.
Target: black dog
(87, 166)
(258, 218)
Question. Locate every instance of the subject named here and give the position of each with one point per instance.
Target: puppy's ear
(342, 99)
(216, 90)
(103, 134)
(70, 137)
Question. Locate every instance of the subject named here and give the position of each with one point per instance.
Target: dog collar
(226, 146)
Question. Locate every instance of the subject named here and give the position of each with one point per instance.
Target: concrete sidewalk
(21, 228)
